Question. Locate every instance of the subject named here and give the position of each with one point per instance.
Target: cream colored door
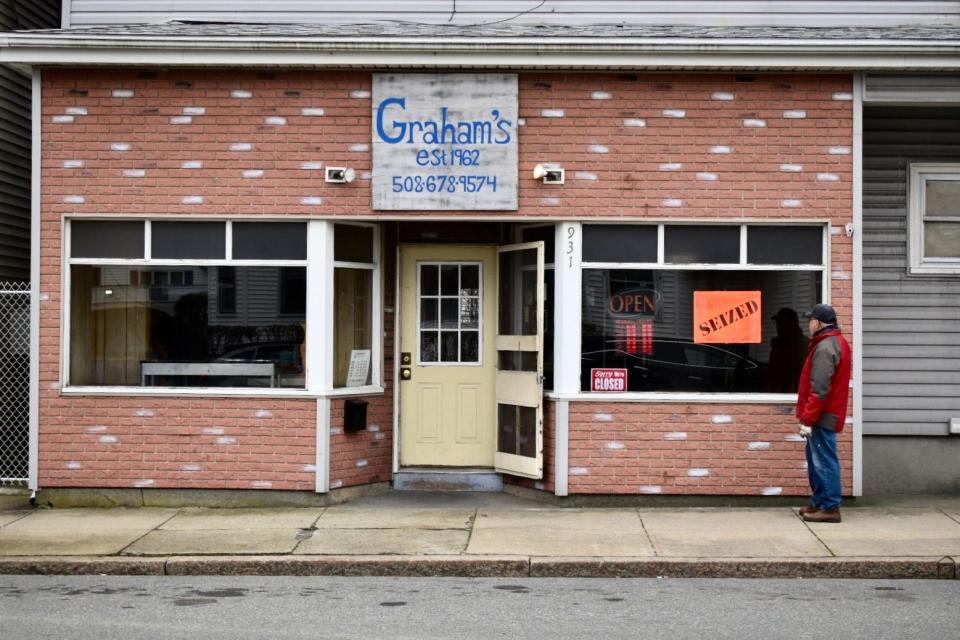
(447, 346)
(519, 339)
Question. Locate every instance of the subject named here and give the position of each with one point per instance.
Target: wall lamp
(549, 175)
(340, 175)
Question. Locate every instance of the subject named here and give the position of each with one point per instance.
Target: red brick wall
(587, 122)
(704, 449)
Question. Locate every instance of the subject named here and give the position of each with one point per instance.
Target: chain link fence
(14, 383)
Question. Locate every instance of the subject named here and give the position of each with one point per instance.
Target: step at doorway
(459, 479)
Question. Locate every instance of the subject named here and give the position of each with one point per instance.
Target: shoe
(807, 509)
(830, 515)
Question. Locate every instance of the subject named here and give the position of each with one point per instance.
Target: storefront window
(656, 325)
(166, 304)
(355, 253)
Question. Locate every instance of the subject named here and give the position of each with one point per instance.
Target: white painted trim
(33, 454)
(323, 446)
(66, 13)
(918, 173)
(561, 455)
(316, 304)
(664, 397)
(214, 392)
(667, 55)
(376, 308)
(396, 357)
(858, 85)
(567, 275)
(706, 266)
(326, 316)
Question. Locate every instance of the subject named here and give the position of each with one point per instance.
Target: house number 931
(571, 232)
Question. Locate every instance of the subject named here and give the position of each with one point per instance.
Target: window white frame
(376, 308)
(568, 327)
(440, 363)
(920, 174)
(319, 318)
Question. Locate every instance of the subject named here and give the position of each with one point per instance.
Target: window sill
(663, 397)
(215, 392)
(940, 270)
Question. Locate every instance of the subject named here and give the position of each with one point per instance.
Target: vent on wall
(955, 426)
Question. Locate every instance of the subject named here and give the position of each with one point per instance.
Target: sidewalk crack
(941, 510)
(643, 526)
(312, 527)
(29, 513)
(472, 524)
(156, 528)
(814, 534)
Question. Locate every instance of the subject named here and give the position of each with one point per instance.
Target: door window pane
(106, 239)
(619, 243)
(517, 430)
(457, 303)
(428, 313)
(449, 346)
(429, 280)
(270, 240)
(518, 293)
(784, 245)
(469, 346)
(545, 234)
(449, 280)
(701, 244)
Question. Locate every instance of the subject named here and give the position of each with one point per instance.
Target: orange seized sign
(726, 317)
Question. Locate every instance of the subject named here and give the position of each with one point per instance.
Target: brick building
(565, 258)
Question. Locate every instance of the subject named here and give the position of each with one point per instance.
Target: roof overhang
(549, 53)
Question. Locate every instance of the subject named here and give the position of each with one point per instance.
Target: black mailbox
(355, 415)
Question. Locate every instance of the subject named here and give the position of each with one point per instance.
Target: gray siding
(911, 324)
(15, 140)
(702, 12)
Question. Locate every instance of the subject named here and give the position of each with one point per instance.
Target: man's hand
(804, 431)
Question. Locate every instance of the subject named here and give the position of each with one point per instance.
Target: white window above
(934, 218)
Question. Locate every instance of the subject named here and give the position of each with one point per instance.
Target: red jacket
(825, 381)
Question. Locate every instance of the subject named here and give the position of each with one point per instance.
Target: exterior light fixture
(340, 175)
(549, 175)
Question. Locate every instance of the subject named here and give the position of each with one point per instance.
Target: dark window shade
(352, 243)
(269, 241)
(701, 244)
(619, 243)
(784, 245)
(106, 239)
(193, 240)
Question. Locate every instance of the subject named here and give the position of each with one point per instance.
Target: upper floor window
(934, 218)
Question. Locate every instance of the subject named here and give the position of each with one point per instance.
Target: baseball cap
(822, 312)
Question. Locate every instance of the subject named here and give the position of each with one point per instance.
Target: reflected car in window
(676, 365)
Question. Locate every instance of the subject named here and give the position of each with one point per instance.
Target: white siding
(573, 12)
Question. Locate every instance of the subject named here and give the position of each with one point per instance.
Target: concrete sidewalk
(469, 534)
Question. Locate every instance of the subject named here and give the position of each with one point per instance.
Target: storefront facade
(198, 201)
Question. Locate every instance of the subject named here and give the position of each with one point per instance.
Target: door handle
(405, 374)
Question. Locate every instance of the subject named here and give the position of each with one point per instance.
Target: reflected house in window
(187, 325)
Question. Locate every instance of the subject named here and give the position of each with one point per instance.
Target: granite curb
(943, 568)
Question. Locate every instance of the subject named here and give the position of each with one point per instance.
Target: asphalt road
(213, 608)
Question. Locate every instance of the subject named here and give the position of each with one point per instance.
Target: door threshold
(429, 469)
(447, 479)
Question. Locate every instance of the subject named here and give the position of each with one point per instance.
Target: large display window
(218, 304)
(712, 309)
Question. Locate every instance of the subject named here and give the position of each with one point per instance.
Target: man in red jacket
(822, 409)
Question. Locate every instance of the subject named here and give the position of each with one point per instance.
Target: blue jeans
(823, 469)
